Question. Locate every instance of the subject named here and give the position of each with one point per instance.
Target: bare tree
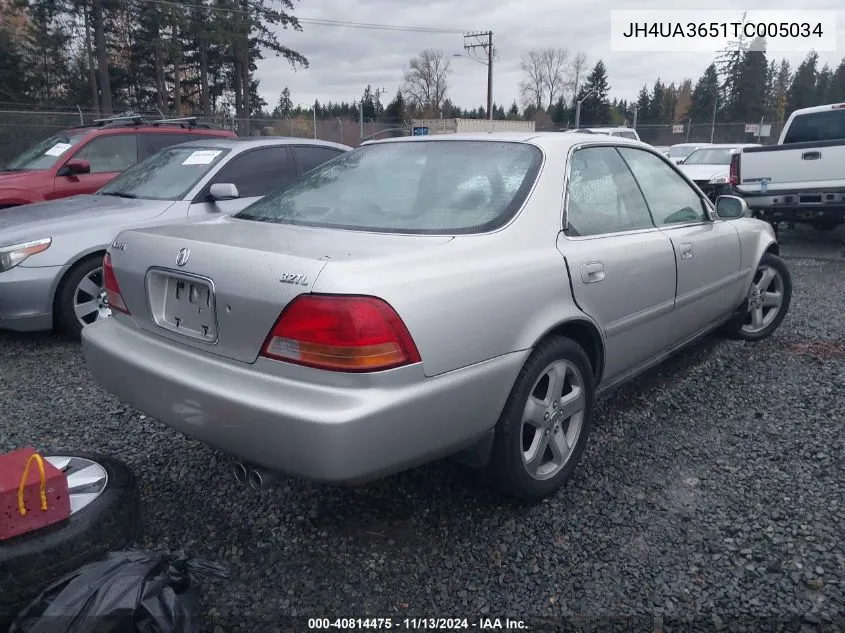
(576, 72)
(425, 80)
(554, 63)
(532, 87)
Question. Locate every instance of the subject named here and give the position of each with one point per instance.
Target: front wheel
(768, 300)
(544, 426)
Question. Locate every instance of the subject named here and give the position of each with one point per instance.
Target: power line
(314, 21)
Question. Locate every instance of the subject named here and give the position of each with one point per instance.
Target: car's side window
(115, 152)
(670, 198)
(259, 171)
(603, 196)
(310, 157)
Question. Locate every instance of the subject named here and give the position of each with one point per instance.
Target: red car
(83, 159)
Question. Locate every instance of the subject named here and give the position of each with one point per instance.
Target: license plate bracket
(183, 303)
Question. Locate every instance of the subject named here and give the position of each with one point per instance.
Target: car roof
(250, 142)
(728, 145)
(557, 140)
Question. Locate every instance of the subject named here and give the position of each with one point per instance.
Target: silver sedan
(51, 253)
(423, 297)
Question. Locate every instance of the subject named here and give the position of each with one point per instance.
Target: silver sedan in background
(426, 296)
(51, 253)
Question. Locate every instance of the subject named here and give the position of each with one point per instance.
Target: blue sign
(420, 131)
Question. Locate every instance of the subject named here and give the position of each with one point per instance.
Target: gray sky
(344, 60)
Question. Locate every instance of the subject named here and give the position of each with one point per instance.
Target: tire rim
(90, 302)
(86, 479)
(552, 420)
(765, 299)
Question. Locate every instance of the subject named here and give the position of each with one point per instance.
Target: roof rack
(131, 119)
(190, 120)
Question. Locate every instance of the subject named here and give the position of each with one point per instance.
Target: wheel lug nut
(546, 415)
(547, 432)
(554, 405)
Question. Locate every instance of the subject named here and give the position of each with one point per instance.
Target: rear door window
(310, 157)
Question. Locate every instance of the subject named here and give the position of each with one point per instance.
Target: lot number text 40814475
(426, 624)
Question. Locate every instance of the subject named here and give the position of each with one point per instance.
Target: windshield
(431, 187)
(680, 152)
(45, 154)
(710, 157)
(169, 174)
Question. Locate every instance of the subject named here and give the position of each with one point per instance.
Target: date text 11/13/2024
(424, 624)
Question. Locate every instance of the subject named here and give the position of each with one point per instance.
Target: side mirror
(74, 167)
(223, 191)
(730, 207)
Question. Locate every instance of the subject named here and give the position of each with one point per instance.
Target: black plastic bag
(126, 592)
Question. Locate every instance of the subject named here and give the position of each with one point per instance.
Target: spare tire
(104, 517)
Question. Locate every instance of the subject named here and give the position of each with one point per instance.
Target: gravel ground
(712, 490)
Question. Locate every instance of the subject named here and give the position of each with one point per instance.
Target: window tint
(819, 126)
(432, 187)
(311, 157)
(149, 144)
(258, 172)
(603, 195)
(669, 197)
(115, 152)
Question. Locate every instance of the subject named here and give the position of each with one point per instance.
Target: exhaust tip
(256, 480)
(240, 472)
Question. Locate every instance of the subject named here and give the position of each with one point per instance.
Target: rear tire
(546, 422)
(767, 303)
(29, 563)
(70, 293)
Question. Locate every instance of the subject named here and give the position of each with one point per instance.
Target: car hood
(48, 219)
(15, 179)
(704, 172)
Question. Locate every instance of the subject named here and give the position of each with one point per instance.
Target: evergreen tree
(823, 84)
(395, 110)
(836, 92)
(705, 96)
(802, 91)
(644, 105)
(748, 103)
(595, 110)
(285, 106)
(561, 112)
(513, 112)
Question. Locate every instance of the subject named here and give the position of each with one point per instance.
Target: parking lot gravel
(712, 492)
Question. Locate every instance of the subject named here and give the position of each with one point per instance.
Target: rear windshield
(169, 174)
(430, 187)
(45, 154)
(680, 152)
(710, 157)
(819, 126)
(630, 135)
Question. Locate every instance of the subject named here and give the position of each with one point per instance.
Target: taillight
(341, 333)
(734, 173)
(113, 295)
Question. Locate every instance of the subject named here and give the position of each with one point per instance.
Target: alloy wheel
(90, 302)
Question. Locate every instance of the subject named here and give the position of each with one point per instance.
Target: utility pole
(315, 118)
(713, 120)
(484, 40)
(578, 108)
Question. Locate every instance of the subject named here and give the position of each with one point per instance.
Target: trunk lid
(238, 276)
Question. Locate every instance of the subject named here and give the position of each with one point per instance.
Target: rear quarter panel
(479, 296)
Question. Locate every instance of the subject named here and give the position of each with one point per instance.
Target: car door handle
(592, 272)
(686, 251)
(811, 155)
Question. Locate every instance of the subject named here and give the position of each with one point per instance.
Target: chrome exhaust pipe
(260, 478)
(240, 472)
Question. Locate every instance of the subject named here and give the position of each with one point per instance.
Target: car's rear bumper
(26, 298)
(799, 205)
(340, 431)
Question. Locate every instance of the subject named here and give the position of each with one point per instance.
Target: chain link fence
(21, 129)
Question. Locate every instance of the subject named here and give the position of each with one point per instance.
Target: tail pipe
(260, 478)
(241, 472)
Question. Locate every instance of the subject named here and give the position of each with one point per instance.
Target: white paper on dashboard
(58, 149)
(202, 157)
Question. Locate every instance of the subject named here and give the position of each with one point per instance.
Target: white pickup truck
(802, 178)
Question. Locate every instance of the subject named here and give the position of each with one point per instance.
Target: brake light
(734, 172)
(341, 333)
(113, 295)
(837, 106)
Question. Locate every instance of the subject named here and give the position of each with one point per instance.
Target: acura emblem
(183, 256)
